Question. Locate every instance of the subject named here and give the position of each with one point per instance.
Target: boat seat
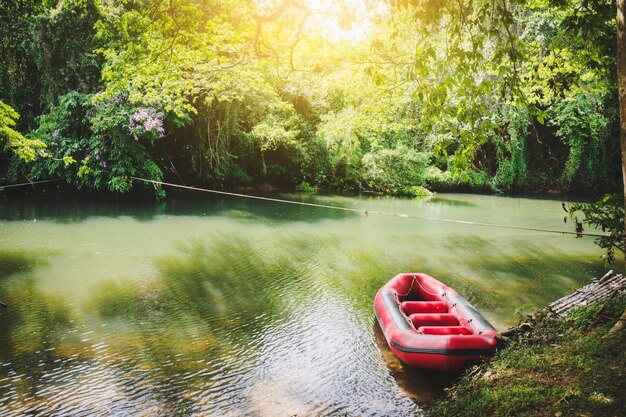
(426, 319)
(413, 307)
(443, 330)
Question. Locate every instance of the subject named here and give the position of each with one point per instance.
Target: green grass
(563, 367)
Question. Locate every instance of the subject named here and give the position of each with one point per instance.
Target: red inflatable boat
(429, 325)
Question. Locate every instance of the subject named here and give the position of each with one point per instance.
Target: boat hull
(429, 325)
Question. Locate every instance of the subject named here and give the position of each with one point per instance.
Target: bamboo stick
(597, 290)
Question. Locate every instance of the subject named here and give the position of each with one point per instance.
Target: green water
(221, 306)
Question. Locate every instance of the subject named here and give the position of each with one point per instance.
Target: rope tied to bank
(367, 212)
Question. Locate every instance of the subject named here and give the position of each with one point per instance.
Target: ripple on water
(254, 310)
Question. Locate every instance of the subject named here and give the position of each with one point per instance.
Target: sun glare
(339, 20)
(336, 20)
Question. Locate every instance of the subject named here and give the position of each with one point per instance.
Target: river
(222, 306)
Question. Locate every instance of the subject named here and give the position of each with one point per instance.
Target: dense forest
(397, 97)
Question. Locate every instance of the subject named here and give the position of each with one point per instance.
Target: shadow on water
(519, 268)
(228, 278)
(422, 386)
(232, 317)
(38, 334)
(15, 261)
(180, 326)
(73, 209)
(371, 270)
(445, 201)
(34, 331)
(204, 316)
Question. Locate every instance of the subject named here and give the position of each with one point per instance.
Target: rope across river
(2, 187)
(368, 211)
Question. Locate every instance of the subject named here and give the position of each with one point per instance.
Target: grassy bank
(559, 368)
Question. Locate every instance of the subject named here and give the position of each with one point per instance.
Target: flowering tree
(146, 123)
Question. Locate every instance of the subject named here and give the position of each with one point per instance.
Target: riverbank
(146, 191)
(561, 367)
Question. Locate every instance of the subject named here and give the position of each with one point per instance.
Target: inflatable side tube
(393, 308)
(470, 312)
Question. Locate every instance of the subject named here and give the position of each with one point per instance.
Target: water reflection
(201, 307)
(254, 335)
(518, 273)
(452, 202)
(13, 261)
(36, 337)
(421, 386)
(72, 209)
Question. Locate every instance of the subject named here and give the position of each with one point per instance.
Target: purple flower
(146, 120)
(103, 164)
(149, 124)
(55, 134)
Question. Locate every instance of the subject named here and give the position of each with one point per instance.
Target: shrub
(306, 187)
(583, 125)
(437, 180)
(108, 138)
(394, 171)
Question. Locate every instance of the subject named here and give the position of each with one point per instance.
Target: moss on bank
(560, 368)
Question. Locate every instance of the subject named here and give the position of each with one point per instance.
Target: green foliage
(345, 147)
(583, 125)
(584, 318)
(65, 133)
(306, 187)
(418, 191)
(198, 47)
(314, 163)
(472, 96)
(478, 180)
(63, 48)
(606, 215)
(451, 180)
(276, 131)
(26, 149)
(108, 139)
(519, 311)
(19, 77)
(394, 171)
(510, 144)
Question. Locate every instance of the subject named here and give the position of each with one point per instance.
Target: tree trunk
(621, 88)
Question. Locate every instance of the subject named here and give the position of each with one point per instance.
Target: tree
(19, 78)
(621, 87)
(502, 95)
(25, 148)
(605, 214)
